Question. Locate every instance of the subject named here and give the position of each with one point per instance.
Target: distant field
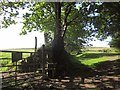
(101, 49)
(97, 48)
(20, 49)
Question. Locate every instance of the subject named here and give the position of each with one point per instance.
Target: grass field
(6, 62)
(90, 56)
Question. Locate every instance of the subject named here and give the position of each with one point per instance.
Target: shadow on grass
(109, 67)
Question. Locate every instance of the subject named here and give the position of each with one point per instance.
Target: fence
(16, 76)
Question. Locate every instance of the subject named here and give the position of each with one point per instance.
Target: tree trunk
(58, 42)
(58, 30)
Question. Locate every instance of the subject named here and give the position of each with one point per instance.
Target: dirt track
(109, 80)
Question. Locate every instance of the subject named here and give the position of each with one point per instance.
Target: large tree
(69, 22)
(65, 20)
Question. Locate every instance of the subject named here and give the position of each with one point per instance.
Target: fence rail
(15, 51)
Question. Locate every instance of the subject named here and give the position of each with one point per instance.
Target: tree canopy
(78, 21)
(107, 23)
(41, 16)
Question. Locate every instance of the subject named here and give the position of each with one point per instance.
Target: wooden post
(16, 73)
(35, 44)
(43, 60)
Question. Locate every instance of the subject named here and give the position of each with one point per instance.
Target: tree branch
(68, 23)
(67, 12)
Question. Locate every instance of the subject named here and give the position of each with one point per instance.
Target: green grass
(91, 58)
(91, 62)
(5, 55)
(6, 62)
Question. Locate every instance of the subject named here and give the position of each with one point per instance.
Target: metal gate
(26, 70)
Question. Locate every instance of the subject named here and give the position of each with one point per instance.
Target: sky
(98, 43)
(10, 38)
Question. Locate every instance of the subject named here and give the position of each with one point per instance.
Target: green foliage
(106, 23)
(74, 45)
(40, 17)
(115, 41)
(8, 12)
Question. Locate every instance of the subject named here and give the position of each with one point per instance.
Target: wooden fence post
(43, 60)
(35, 44)
(16, 73)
